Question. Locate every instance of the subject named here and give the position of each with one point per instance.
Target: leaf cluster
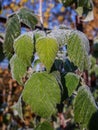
(51, 75)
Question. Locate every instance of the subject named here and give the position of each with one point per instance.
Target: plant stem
(40, 11)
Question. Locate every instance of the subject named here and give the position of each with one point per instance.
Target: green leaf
(92, 61)
(18, 68)
(44, 126)
(78, 48)
(38, 34)
(24, 47)
(93, 65)
(84, 40)
(84, 106)
(96, 69)
(57, 75)
(18, 108)
(61, 35)
(27, 17)
(71, 81)
(12, 32)
(47, 48)
(79, 10)
(42, 92)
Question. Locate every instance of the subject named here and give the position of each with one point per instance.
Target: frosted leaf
(61, 36)
(84, 106)
(47, 48)
(42, 95)
(24, 47)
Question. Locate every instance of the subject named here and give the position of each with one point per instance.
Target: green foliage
(44, 126)
(92, 61)
(84, 40)
(83, 7)
(96, 69)
(58, 53)
(56, 74)
(42, 92)
(21, 46)
(93, 66)
(27, 17)
(71, 81)
(84, 106)
(18, 68)
(38, 34)
(13, 28)
(61, 34)
(12, 32)
(77, 51)
(47, 48)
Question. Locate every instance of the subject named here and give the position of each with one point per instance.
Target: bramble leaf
(24, 48)
(84, 106)
(78, 48)
(42, 92)
(71, 81)
(18, 68)
(12, 32)
(27, 17)
(47, 48)
(61, 35)
(38, 34)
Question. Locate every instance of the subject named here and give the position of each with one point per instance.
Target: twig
(40, 11)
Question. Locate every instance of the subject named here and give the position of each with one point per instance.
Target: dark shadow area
(2, 56)
(93, 123)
